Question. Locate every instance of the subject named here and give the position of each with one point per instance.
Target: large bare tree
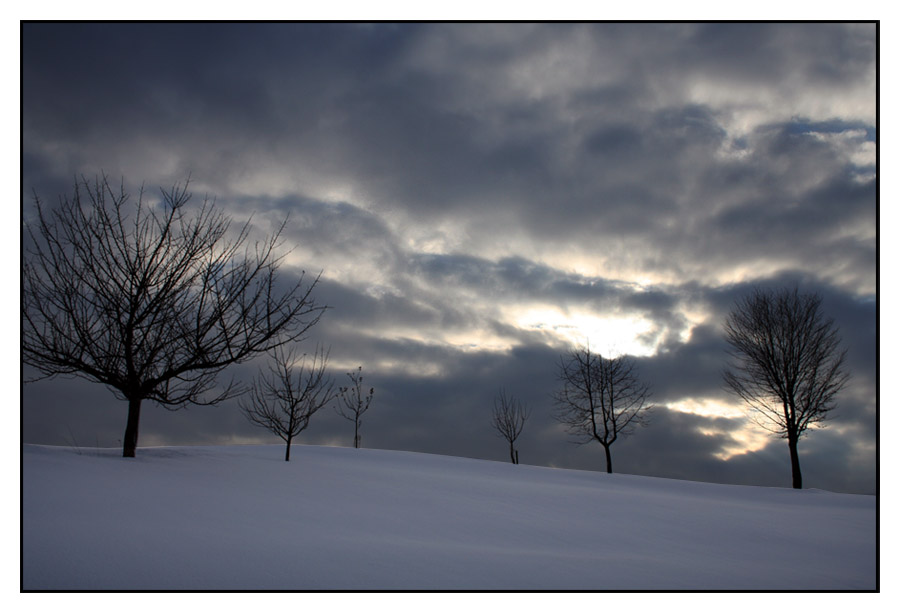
(788, 364)
(284, 398)
(151, 299)
(600, 398)
(354, 402)
(508, 420)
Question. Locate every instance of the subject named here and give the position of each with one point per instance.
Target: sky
(480, 198)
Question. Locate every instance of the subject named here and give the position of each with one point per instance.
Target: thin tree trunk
(129, 443)
(356, 434)
(512, 453)
(797, 479)
(608, 459)
(287, 450)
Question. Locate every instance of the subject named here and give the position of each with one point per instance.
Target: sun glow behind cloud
(613, 334)
(750, 438)
(708, 407)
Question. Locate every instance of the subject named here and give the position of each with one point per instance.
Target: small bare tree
(284, 398)
(788, 365)
(600, 398)
(149, 300)
(508, 419)
(354, 403)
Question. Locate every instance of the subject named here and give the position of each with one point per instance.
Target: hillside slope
(239, 517)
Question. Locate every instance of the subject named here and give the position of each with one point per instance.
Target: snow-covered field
(239, 517)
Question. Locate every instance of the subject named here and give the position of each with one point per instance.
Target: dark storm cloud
(515, 279)
(420, 134)
(690, 369)
(443, 175)
(324, 231)
(817, 53)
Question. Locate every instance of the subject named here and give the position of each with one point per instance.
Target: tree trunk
(512, 453)
(287, 450)
(797, 479)
(129, 443)
(356, 434)
(608, 459)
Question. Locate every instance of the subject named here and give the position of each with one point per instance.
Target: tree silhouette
(354, 403)
(508, 419)
(149, 300)
(600, 398)
(787, 363)
(283, 399)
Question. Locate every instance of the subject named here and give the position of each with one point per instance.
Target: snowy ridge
(239, 517)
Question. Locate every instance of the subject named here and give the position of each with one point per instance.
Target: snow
(239, 517)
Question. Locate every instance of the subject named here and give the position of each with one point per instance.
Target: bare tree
(150, 301)
(787, 363)
(354, 403)
(600, 398)
(285, 397)
(508, 419)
